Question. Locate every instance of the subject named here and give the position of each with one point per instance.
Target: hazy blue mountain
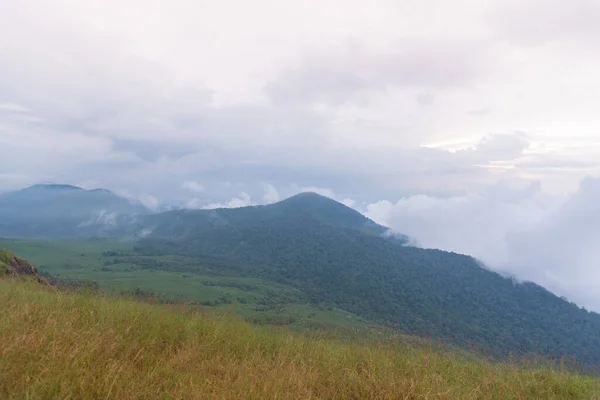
(335, 255)
(63, 210)
(294, 210)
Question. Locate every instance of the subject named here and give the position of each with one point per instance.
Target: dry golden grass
(75, 346)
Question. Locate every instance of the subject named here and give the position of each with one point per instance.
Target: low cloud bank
(514, 228)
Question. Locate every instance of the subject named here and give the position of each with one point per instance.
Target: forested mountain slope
(335, 255)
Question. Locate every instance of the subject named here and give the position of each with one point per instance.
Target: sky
(469, 125)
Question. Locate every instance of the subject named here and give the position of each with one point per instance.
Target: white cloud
(562, 250)
(362, 87)
(147, 200)
(88, 184)
(271, 194)
(243, 200)
(348, 202)
(475, 224)
(13, 108)
(194, 203)
(193, 186)
(514, 228)
(554, 21)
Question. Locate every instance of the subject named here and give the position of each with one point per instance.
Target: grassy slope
(81, 259)
(5, 257)
(58, 345)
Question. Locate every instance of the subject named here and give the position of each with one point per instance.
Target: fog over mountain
(523, 232)
(469, 126)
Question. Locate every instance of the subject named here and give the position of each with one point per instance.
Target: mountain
(235, 223)
(62, 210)
(334, 255)
(327, 211)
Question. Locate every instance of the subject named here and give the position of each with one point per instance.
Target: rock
(17, 266)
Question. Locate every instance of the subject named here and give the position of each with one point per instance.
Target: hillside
(323, 249)
(309, 260)
(63, 211)
(5, 258)
(70, 345)
(10, 265)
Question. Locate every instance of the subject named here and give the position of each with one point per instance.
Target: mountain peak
(66, 188)
(329, 211)
(55, 187)
(309, 196)
(314, 201)
(101, 190)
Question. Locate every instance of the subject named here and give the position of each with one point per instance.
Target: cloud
(193, 186)
(243, 200)
(514, 228)
(502, 147)
(336, 74)
(539, 22)
(473, 224)
(271, 194)
(147, 200)
(349, 203)
(561, 250)
(103, 218)
(354, 98)
(12, 107)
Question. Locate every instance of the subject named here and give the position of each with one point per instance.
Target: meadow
(117, 269)
(78, 345)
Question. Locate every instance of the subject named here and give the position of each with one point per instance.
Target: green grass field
(73, 345)
(185, 280)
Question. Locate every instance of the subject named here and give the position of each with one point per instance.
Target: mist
(514, 228)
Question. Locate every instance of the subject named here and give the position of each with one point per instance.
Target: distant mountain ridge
(312, 206)
(51, 186)
(63, 211)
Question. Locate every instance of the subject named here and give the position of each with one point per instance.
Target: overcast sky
(469, 125)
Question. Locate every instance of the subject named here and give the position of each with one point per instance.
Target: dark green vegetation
(295, 261)
(63, 211)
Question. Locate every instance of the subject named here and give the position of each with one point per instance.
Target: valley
(112, 265)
